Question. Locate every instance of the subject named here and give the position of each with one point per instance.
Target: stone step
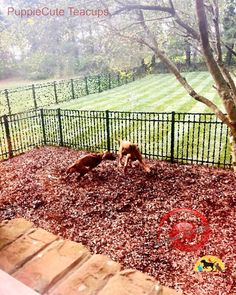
(88, 279)
(24, 248)
(13, 229)
(52, 266)
(133, 282)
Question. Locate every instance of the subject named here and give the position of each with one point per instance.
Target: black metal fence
(39, 95)
(177, 137)
(182, 67)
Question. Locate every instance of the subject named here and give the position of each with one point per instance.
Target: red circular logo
(186, 235)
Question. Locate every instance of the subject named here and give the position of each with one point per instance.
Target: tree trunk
(92, 49)
(187, 55)
(226, 91)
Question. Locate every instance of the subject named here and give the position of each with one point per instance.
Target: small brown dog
(88, 162)
(132, 152)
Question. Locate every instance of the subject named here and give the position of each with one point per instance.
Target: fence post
(126, 77)
(109, 80)
(118, 79)
(108, 131)
(34, 96)
(72, 89)
(172, 142)
(8, 101)
(133, 76)
(43, 127)
(99, 83)
(8, 136)
(60, 126)
(55, 92)
(86, 85)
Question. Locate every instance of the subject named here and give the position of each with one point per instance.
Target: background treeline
(48, 47)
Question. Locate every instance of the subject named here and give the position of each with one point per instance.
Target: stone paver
(89, 278)
(51, 265)
(24, 248)
(12, 229)
(132, 282)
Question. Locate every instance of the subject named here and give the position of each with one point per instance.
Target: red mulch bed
(118, 215)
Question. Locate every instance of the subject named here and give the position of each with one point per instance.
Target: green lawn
(154, 93)
(14, 83)
(17, 82)
(197, 140)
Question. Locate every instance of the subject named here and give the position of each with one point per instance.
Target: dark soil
(118, 214)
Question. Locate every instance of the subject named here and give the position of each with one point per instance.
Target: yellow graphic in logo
(209, 263)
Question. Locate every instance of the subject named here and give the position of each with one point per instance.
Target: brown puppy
(132, 152)
(88, 162)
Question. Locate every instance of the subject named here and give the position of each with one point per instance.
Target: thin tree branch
(217, 31)
(189, 29)
(130, 7)
(148, 20)
(230, 49)
(171, 10)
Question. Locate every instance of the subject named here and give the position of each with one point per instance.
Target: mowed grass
(154, 93)
(18, 82)
(163, 93)
(196, 140)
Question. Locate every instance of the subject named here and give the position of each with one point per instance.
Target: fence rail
(40, 95)
(176, 137)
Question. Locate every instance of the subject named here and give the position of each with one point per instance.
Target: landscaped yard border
(176, 137)
(40, 95)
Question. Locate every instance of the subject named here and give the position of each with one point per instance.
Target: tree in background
(151, 22)
(7, 62)
(48, 47)
(229, 23)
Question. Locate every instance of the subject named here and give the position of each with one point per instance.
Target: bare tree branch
(217, 30)
(171, 10)
(189, 29)
(230, 49)
(129, 7)
(148, 20)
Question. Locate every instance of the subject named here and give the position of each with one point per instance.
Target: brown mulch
(118, 214)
